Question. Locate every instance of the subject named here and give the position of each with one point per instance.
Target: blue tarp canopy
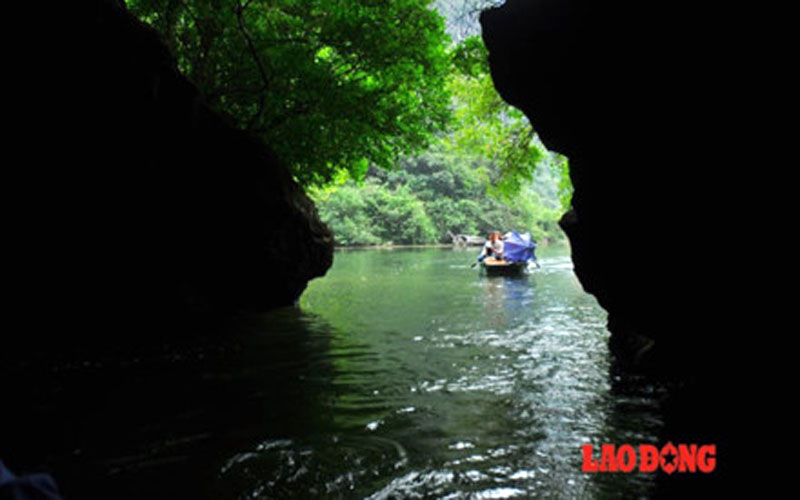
(518, 247)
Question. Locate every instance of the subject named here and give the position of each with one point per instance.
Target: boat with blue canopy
(518, 253)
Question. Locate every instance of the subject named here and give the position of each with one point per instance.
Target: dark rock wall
(138, 203)
(129, 201)
(649, 101)
(638, 97)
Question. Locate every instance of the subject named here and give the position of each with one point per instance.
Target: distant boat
(518, 252)
(466, 240)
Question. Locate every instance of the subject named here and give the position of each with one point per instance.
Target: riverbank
(389, 246)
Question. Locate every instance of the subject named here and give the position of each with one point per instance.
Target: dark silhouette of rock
(633, 96)
(139, 204)
(648, 100)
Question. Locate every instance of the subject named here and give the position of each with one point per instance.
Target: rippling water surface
(437, 381)
(404, 374)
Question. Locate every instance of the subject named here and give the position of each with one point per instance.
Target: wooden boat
(502, 267)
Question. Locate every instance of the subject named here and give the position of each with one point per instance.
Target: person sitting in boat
(493, 247)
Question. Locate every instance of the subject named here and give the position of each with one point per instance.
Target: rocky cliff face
(635, 97)
(638, 96)
(139, 203)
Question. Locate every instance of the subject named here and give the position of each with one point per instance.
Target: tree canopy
(487, 171)
(493, 131)
(440, 192)
(332, 85)
(396, 131)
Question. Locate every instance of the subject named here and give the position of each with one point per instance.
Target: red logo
(648, 458)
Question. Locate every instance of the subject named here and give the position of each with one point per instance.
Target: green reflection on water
(467, 383)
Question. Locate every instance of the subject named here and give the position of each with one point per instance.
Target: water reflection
(171, 420)
(506, 296)
(405, 374)
(505, 379)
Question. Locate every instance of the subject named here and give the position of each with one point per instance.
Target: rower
(493, 247)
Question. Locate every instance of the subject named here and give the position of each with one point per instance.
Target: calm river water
(421, 378)
(403, 374)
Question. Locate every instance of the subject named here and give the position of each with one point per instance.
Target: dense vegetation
(488, 171)
(333, 86)
(432, 195)
(394, 129)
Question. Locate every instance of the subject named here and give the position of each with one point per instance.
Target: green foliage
(348, 90)
(435, 194)
(399, 216)
(331, 85)
(487, 126)
(374, 213)
(345, 211)
(560, 167)
(471, 58)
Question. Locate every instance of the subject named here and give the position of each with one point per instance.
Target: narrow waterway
(436, 381)
(403, 374)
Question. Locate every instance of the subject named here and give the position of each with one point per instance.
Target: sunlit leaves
(374, 213)
(494, 131)
(329, 84)
(339, 86)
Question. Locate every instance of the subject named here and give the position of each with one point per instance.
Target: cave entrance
(404, 372)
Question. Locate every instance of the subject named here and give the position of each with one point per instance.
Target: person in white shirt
(493, 247)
